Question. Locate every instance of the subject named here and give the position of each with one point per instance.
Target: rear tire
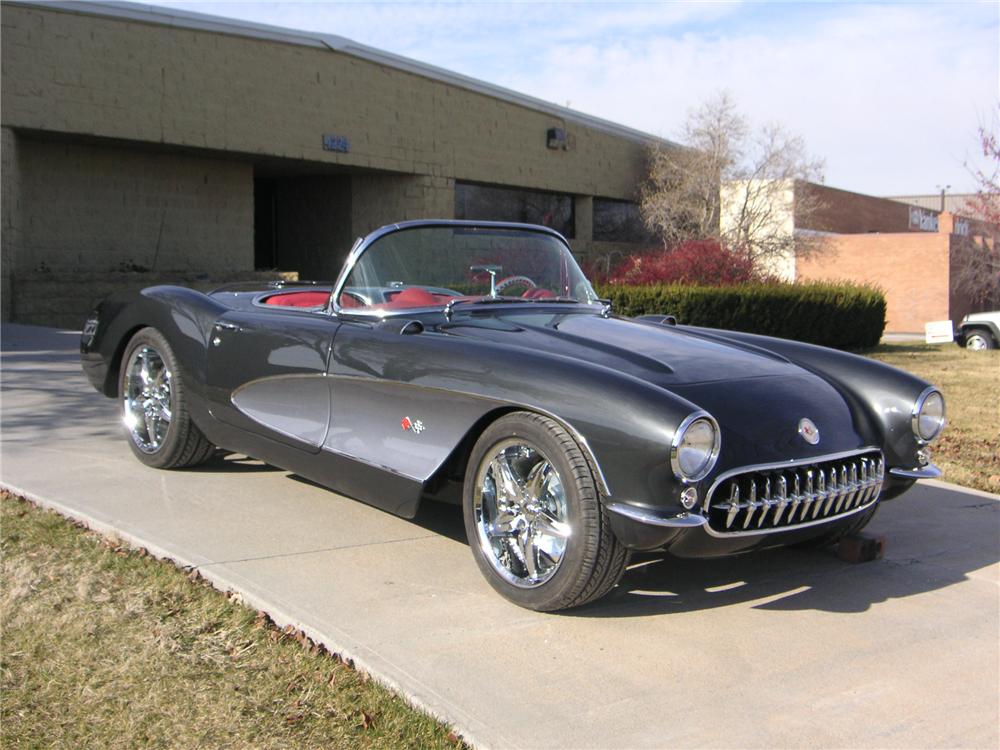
(535, 523)
(152, 392)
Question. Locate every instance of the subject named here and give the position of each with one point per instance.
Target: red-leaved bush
(703, 262)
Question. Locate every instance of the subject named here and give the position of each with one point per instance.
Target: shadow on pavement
(37, 366)
(933, 542)
(224, 462)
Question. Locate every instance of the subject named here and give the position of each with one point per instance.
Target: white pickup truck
(979, 331)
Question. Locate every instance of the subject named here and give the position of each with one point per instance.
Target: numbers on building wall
(338, 143)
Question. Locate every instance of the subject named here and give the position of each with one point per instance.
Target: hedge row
(843, 316)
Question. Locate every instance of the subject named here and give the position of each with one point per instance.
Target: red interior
(413, 297)
(298, 299)
(405, 299)
(537, 293)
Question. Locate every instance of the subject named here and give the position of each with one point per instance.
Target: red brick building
(912, 252)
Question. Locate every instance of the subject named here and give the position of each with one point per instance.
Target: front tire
(533, 517)
(977, 340)
(153, 395)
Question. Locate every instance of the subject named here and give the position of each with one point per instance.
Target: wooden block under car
(858, 548)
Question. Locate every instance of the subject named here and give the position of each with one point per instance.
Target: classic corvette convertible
(472, 362)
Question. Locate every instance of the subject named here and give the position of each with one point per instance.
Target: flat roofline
(161, 16)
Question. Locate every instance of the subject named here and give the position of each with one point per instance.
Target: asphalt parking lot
(784, 648)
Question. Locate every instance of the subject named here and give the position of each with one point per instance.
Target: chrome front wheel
(520, 513)
(146, 403)
(534, 517)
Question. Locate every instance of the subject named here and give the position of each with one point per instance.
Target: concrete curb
(959, 488)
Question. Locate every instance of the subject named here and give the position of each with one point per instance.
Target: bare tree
(680, 198)
(986, 203)
(733, 183)
(975, 270)
(976, 259)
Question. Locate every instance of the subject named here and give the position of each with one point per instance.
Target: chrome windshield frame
(362, 244)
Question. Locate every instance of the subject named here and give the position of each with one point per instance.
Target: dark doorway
(265, 251)
(302, 223)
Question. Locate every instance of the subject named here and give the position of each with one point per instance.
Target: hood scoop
(661, 354)
(606, 349)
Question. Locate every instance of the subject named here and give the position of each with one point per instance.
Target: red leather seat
(412, 297)
(298, 299)
(537, 293)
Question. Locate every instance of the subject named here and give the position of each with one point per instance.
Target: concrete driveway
(779, 649)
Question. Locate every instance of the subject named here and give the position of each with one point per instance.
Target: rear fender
(184, 316)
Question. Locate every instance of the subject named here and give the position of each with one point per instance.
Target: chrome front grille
(779, 497)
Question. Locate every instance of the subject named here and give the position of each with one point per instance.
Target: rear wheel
(533, 517)
(154, 405)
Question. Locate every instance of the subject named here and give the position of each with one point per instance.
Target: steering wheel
(511, 280)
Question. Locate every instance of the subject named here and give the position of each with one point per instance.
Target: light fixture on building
(556, 139)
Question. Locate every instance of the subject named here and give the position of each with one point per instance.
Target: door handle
(228, 326)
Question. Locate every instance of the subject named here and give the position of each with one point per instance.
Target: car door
(401, 396)
(266, 374)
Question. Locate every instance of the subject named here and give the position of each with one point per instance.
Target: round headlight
(695, 447)
(928, 415)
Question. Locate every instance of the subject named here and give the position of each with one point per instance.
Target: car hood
(665, 355)
(759, 398)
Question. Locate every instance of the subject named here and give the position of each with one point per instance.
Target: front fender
(451, 383)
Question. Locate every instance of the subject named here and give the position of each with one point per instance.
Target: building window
(619, 221)
(486, 203)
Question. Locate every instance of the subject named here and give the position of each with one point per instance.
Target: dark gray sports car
(473, 362)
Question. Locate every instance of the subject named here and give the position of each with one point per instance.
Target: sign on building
(923, 220)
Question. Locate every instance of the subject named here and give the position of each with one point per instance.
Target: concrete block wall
(102, 207)
(912, 268)
(10, 216)
(73, 72)
(133, 144)
(378, 200)
(64, 299)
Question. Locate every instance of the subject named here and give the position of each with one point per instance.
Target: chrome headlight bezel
(918, 412)
(677, 443)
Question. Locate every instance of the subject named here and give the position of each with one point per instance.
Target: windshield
(433, 265)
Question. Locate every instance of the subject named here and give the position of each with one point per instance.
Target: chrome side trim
(924, 472)
(678, 521)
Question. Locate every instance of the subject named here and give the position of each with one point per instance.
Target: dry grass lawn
(105, 647)
(968, 451)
